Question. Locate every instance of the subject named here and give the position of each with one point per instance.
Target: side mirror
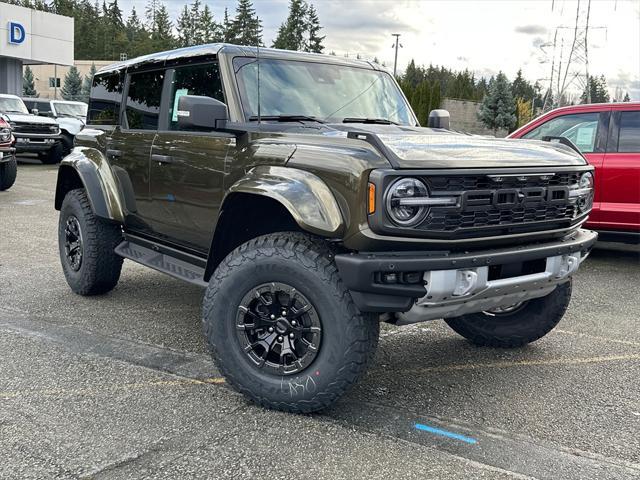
(439, 119)
(35, 111)
(201, 113)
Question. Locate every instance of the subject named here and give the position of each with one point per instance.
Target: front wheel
(282, 327)
(8, 173)
(86, 243)
(514, 325)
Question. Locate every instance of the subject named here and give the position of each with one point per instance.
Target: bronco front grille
(482, 212)
(35, 128)
(491, 203)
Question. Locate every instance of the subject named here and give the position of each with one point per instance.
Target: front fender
(98, 179)
(70, 125)
(307, 198)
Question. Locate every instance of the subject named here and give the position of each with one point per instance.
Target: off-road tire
(531, 322)
(100, 267)
(8, 173)
(349, 337)
(53, 156)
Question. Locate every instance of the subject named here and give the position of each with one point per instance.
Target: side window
(203, 80)
(629, 137)
(143, 100)
(580, 128)
(105, 99)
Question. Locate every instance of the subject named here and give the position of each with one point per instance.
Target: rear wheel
(282, 327)
(514, 325)
(8, 173)
(86, 243)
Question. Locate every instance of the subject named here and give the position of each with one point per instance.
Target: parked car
(311, 216)
(608, 135)
(34, 134)
(71, 117)
(8, 166)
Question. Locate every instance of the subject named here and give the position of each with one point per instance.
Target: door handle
(162, 158)
(113, 153)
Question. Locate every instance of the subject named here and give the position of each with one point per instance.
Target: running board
(162, 262)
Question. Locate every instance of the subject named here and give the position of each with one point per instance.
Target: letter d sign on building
(17, 33)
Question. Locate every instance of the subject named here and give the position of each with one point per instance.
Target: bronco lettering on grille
(511, 197)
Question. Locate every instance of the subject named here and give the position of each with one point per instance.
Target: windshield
(323, 91)
(73, 109)
(12, 105)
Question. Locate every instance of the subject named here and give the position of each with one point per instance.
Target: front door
(129, 146)
(620, 175)
(187, 167)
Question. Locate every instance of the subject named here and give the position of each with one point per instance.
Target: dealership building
(30, 37)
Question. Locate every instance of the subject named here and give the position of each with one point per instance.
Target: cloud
(531, 29)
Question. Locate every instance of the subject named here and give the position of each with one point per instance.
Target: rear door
(620, 176)
(129, 146)
(187, 167)
(588, 131)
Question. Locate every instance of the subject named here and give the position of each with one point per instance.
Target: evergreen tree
(291, 34)
(314, 42)
(196, 26)
(86, 83)
(28, 83)
(246, 27)
(598, 88)
(521, 88)
(226, 26)
(421, 101)
(134, 27)
(210, 30)
(498, 107)
(162, 39)
(72, 88)
(151, 11)
(185, 28)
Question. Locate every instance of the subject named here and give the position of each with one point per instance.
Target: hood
(419, 148)
(71, 124)
(415, 147)
(24, 118)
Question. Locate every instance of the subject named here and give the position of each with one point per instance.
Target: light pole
(397, 44)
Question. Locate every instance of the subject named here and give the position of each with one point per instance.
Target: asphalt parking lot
(120, 386)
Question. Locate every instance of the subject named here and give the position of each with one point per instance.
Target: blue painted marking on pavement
(446, 433)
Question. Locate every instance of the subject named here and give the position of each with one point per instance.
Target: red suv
(608, 135)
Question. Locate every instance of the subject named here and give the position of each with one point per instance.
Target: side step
(162, 262)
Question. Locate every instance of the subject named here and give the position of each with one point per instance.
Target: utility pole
(397, 44)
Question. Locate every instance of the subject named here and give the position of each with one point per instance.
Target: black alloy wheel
(278, 328)
(73, 246)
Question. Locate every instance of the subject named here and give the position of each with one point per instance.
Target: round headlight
(586, 180)
(399, 203)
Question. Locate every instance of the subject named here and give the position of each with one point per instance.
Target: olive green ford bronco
(300, 191)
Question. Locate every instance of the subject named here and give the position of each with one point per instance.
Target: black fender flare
(98, 179)
(305, 196)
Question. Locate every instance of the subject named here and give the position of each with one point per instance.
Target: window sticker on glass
(179, 93)
(585, 136)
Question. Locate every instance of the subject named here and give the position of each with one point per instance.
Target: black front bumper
(360, 271)
(7, 154)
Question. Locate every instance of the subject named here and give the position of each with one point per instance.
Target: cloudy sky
(484, 36)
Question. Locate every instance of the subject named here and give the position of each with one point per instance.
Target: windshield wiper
(16, 111)
(379, 121)
(285, 118)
